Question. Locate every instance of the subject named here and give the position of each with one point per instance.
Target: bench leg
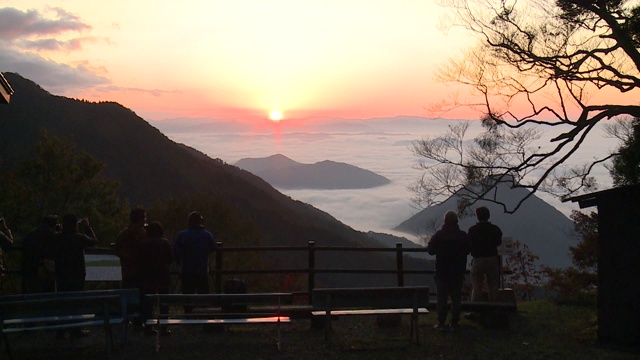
(414, 324)
(279, 335)
(7, 347)
(327, 325)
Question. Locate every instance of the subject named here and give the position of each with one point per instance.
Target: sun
(275, 115)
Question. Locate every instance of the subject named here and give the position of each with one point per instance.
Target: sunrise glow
(222, 59)
(275, 115)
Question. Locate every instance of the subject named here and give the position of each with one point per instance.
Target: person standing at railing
(485, 238)
(191, 250)
(127, 247)
(37, 246)
(155, 258)
(76, 235)
(450, 245)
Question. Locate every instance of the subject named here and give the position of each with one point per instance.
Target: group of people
(146, 255)
(53, 257)
(451, 245)
(53, 254)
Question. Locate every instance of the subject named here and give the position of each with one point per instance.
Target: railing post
(217, 276)
(312, 268)
(399, 264)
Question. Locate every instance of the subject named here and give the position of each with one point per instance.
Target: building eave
(5, 90)
(592, 199)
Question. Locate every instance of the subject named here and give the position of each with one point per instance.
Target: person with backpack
(450, 245)
(191, 250)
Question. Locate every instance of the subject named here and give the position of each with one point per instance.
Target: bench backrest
(115, 302)
(371, 298)
(223, 299)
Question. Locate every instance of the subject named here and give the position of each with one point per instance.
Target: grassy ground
(540, 330)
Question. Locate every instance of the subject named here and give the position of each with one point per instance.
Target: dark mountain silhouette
(151, 167)
(282, 172)
(547, 232)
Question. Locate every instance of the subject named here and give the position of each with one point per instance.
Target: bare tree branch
(538, 64)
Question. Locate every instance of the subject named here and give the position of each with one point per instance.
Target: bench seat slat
(219, 309)
(258, 320)
(369, 312)
(71, 325)
(48, 319)
(412, 300)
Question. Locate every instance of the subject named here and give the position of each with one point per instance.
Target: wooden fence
(219, 272)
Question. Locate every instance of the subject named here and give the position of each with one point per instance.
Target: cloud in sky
(16, 24)
(57, 78)
(24, 33)
(29, 38)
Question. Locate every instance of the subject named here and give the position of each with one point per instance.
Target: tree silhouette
(626, 164)
(578, 283)
(539, 65)
(61, 179)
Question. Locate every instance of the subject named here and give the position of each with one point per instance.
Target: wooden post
(312, 269)
(217, 276)
(399, 264)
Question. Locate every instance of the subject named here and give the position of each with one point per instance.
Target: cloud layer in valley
(378, 145)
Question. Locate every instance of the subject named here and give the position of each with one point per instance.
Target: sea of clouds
(379, 145)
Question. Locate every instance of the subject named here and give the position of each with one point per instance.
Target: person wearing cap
(191, 250)
(37, 246)
(450, 245)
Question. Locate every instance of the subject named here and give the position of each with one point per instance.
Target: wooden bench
(68, 310)
(329, 302)
(261, 308)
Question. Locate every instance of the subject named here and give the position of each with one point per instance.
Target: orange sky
(234, 59)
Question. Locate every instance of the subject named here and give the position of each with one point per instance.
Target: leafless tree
(538, 76)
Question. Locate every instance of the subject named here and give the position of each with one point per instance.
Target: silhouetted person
(191, 249)
(484, 238)
(6, 241)
(69, 256)
(156, 256)
(127, 245)
(450, 245)
(37, 246)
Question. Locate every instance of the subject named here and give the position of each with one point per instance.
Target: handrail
(311, 270)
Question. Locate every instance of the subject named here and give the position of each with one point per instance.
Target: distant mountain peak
(546, 231)
(282, 172)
